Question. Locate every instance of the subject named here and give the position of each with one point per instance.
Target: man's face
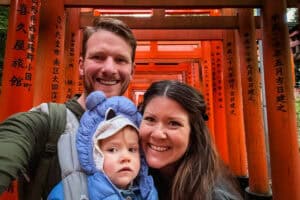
(121, 157)
(107, 65)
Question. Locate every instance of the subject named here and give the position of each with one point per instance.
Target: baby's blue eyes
(114, 150)
(133, 150)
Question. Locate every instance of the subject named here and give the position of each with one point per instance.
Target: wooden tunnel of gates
(239, 59)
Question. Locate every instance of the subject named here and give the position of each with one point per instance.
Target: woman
(178, 146)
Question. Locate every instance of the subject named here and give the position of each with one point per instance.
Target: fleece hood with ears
(97, 106)
(125, 113)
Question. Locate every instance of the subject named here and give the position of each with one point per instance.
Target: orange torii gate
(208, 84)
(51, 72)
(280, 102)
(284, 154)
(72, 52)
(252, 102)
(234, 108)
(20, 58)
(221, 139)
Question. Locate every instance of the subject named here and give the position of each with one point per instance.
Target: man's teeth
(107, 82)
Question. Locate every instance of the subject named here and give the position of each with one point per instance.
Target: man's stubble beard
(87, 86)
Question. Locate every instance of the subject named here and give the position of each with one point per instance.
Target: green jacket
(22, 142)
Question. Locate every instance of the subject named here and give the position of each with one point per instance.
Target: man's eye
(121, 60)
(98, 57)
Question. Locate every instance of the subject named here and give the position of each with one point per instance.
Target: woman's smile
(158, 148)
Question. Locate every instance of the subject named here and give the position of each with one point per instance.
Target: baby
(116, 150)
(108, 150)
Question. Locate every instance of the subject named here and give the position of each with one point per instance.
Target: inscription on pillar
(207, 81)
(231, 78)
(56, 62)
(251, 72)
(217, 75)
(24, 44)
(278, 65)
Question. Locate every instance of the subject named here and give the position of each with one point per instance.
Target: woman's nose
(159, 132)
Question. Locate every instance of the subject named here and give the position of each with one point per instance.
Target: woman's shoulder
(226, 190)
(223, 194)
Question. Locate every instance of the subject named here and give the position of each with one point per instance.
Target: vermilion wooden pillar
(50, 62)
(252, 102)
(193, 75)
(207, 84)
(284, 154)
(72, 51)
(293, 69)
(20, 56)
(79, 88)
(19, 64)
(218, 100)
(218, 96)
(12, 193)
(234, 107)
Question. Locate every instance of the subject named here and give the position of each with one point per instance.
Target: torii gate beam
(186, 22)
(209, 4)
(165, 4)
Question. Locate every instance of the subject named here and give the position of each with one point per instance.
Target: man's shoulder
(73, 105)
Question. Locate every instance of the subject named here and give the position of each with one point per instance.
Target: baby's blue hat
(97, 108)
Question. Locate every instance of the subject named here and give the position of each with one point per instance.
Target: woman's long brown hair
(198, 168)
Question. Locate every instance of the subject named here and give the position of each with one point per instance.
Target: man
(107, 64)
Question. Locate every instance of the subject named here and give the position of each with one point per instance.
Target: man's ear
(133, 70)
(81, 67)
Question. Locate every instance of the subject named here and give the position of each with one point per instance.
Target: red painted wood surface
(50, 71)
(252, 102)
(72, 52)
(20, 57)
(234, 107)
(281, 112)
(219, 100)
(208, 84)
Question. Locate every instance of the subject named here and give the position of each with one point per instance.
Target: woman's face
(165, 132)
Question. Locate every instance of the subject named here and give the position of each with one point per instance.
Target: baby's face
(121, 156)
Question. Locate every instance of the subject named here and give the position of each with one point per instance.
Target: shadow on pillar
(253, 196)
(244, 186)
(243, 182)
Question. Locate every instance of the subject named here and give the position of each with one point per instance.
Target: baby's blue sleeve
(57, 193)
